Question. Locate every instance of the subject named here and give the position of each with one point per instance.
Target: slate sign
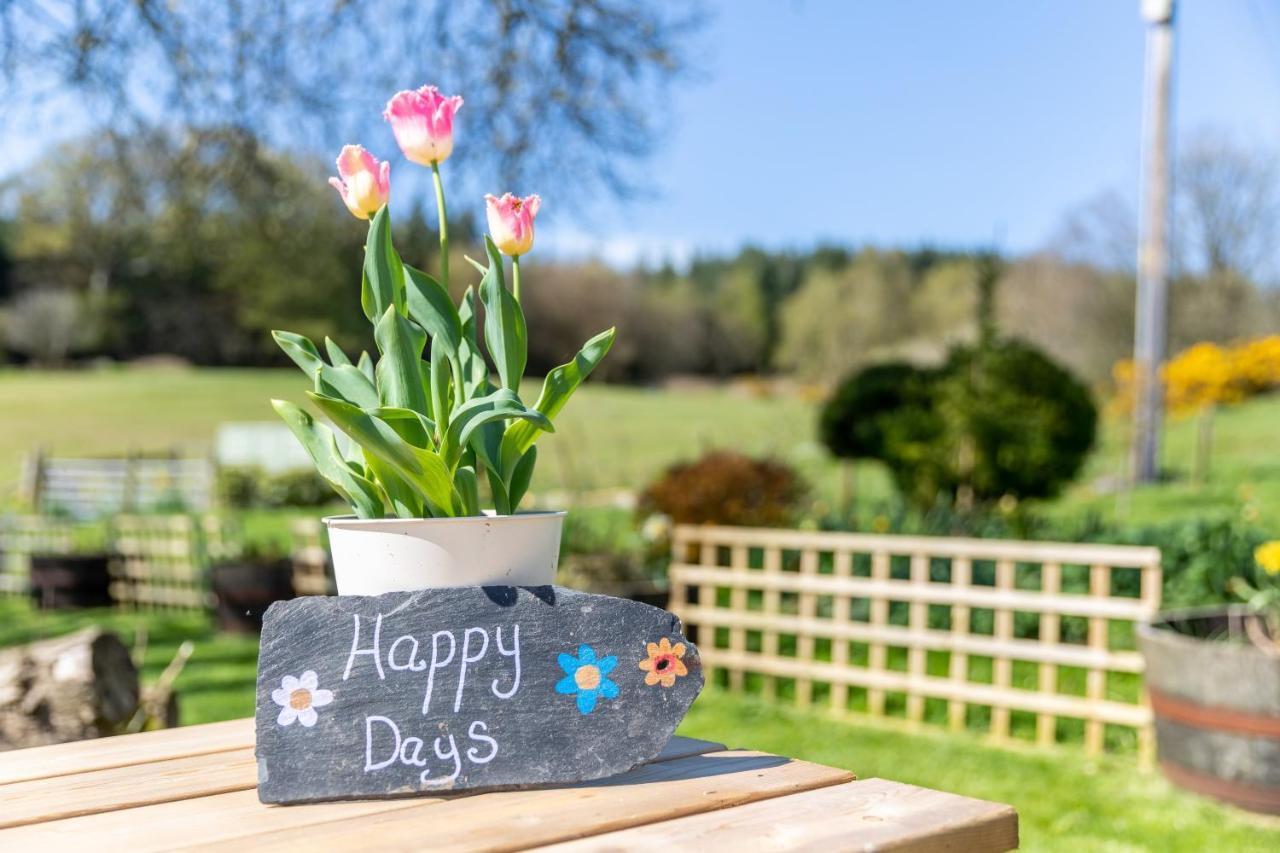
(457, 689)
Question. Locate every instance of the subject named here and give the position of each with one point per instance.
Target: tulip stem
(444, 225)
(515, 277)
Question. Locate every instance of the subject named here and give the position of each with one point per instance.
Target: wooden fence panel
(312, 572)
(24, 535)
(94, 488)
(977, 624)
(162, 560)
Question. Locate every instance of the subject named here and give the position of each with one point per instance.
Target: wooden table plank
(96, 791)
(515, 820)
(41, 762)
(871, 814)
(205, 797)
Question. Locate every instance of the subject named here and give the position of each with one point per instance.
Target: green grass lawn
(616, 437)
(1065, 801)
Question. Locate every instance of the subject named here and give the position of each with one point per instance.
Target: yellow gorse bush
(1208, 374)
(1267, 556)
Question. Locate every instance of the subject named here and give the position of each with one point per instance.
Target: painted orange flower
(663, 664)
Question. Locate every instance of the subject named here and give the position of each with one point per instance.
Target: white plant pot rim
(488, 517)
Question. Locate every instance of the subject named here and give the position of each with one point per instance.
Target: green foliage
(994, 420)
(1200, 557)
(251, 487)
(602, 550)
(1031, 423)
(852, 424)
(726, 488)
(426, 429)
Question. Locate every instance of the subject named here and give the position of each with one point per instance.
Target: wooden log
(83, 685)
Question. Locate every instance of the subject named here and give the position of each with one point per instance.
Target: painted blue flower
(587, 677)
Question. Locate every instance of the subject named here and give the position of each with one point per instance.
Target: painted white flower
(298, 699)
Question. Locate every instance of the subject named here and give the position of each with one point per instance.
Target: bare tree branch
(556, 89)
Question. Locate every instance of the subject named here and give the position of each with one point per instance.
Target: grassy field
(1065, 801)
(613, 437)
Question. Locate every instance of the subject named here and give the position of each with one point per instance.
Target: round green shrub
(994, 420)
(852, 421)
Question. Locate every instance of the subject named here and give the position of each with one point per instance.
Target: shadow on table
(692, 767)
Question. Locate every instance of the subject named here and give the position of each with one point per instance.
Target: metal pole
(1153, 245)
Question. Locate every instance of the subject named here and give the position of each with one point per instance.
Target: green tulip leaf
(320, 444)
(557, 388)
(522, 477)
(504, 327)
(382, 284)
(401, 342)
(468, 489)
(347, 383)
(366, 366)
(473, 414)
(438, 377)
(336, 356)
(300, 351)
(422, 468)
(433, 310)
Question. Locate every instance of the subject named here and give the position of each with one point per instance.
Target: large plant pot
(71, 580)
(1216, 699)
(373, 556)
(243, 592)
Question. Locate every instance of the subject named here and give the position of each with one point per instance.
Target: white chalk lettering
(415, 665)
(417, 749)
(513, 652)
(437, 663)
(453, 754)
(356, 650)
(472, 755)
(466, 659)
(369, 763)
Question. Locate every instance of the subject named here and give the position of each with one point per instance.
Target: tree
(839, 320)
(996, 419)
(190, 250)
(555, 89)
(47, 325)
(1228, 204)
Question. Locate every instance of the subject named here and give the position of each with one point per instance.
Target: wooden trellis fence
(312, 574)
(161, 560)
(924, 619)
(24, 535)
(95, 488)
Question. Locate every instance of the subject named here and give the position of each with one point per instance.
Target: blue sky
(905, 122)
(911, 122)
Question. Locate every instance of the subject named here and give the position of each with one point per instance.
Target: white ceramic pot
(373, 556)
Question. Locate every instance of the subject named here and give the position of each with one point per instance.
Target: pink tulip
(422, 122)
(364, 183)
(511, 222)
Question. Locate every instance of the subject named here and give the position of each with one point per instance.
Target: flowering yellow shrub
(1268, 556)
(1201, 376)
(1257, 364)
(1207, 374)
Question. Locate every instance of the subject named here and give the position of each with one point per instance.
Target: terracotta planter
(1216, 698)
(373, 556)
(243, 592)
(71, 580)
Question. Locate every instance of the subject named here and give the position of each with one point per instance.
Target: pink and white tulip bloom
(363, 182)
(422, 122)
(511, 222)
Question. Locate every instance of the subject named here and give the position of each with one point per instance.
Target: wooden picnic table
(195, 787)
